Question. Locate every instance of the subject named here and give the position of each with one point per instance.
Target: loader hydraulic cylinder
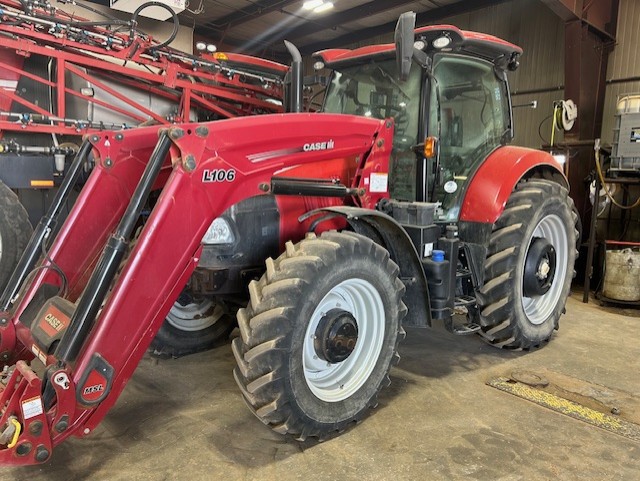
(44, 228)
(98, 285)
(309, 187)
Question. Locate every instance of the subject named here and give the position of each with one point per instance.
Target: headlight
(219, 232)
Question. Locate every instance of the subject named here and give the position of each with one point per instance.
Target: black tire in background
(320, 334)
(538, 225)
(15, 231)
(194, 324)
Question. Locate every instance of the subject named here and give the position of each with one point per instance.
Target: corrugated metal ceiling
(260, 26)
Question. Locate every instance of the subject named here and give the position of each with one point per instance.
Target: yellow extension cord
(554, 123)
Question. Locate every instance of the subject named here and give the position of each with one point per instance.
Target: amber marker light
(430, 146)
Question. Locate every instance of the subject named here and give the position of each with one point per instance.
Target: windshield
(372, 90)
(469, 114)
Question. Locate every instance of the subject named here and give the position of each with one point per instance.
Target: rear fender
(385, 231)
(496, 178)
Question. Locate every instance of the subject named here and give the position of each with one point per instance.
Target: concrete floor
(184, 419)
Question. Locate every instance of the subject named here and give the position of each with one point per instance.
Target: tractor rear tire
(192, 325)
(529, 266)
(319, 334)
(15, 231)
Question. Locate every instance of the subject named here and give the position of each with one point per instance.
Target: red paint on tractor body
(494, 181)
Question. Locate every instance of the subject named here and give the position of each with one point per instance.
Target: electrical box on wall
(155, 12)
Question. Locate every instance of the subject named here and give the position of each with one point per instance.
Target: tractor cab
(447, 92)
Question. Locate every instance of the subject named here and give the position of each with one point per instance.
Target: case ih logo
(328, 145)
(54, 322)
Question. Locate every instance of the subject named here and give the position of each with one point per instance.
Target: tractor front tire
(320, 334)
(15, 231)
(529, 266)
(194, 324)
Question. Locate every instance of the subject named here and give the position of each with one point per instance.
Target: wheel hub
(194, 314)
(539, 268)
(336, 336)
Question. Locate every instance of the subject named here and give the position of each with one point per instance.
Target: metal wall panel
(623, 74)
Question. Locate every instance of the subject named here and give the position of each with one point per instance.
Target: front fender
(496, 178)
(385, 231)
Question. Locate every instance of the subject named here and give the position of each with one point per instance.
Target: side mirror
(404, 38)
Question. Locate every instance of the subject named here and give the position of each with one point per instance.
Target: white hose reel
(568, 112)
(565, 113)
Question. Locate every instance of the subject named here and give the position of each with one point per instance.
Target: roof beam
(246, 14)
(600, 15)
(303, 26)
(335, 20)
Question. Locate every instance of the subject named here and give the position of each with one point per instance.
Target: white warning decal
(32, 408)
(378, 182)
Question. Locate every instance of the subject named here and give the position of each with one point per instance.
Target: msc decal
(328, 145)
(218, 175)
(93, 389)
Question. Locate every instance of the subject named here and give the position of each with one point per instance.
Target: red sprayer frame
(227, 85)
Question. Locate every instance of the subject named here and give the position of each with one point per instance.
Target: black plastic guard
(95, 382)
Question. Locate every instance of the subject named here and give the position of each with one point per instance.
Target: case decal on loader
(54, 321)
(50, 324)
(327, 145)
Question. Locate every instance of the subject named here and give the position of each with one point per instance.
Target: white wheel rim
(339, 381)
(194, 316)
(538, 309)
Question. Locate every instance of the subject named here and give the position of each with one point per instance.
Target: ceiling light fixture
(323, 7)
(311, 4)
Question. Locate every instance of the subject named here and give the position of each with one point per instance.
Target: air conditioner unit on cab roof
(155, 12)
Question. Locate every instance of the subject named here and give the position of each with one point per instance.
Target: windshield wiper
(390, 78)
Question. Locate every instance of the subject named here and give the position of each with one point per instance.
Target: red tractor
(400, 204)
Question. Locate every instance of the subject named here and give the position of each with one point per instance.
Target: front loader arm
(213, 166)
